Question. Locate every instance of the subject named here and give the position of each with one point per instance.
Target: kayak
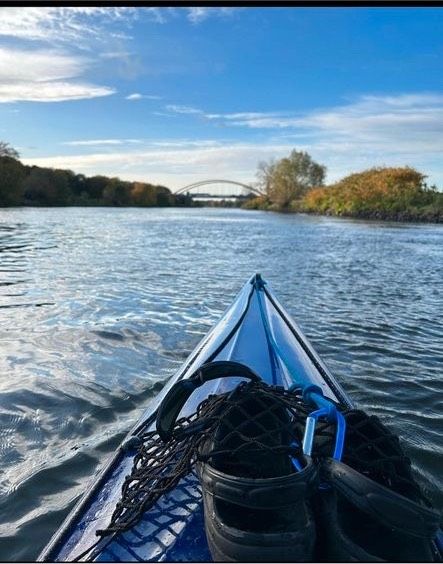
(255, 331)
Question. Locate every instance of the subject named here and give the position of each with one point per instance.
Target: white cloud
(242, 116)
(67, 24)
(115, 55)
(39, 65)
(168, 143)
(41, 76)
(183, 109)
(98, 142)
(138, 96)
(53, 91)
(366, 114)
(404, 128)
(60, 24)
(380, 115)
(187, 143)
(199, 14)
(135, 96)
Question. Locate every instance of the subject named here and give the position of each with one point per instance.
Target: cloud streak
(67, 24)
(59, 24)
(183, 109)
(54, 91)
(45, 76)
(138, 96)
(199, 14)
(39, 65)
(101, 142)
(371, 118)
(372, 131)
(403, 126)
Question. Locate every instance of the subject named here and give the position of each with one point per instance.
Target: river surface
(99, 306)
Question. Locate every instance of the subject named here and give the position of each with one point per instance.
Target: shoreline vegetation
(294, 184)
(22, 185)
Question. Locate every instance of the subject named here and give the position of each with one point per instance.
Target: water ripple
(99, 306)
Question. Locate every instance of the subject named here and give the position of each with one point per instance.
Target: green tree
(95, 186)
(288, 179)
(164, 196)
(7, 151)
(116, 192)
(76, 185)
(143, 194)
(46, 187)
(12, 173)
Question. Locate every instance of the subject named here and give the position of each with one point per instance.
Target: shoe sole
(234, 545)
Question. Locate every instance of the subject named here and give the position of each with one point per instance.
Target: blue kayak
(255, 331)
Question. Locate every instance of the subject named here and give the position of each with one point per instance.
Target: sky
(176, 95)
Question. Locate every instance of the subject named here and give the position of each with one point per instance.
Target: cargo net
(256, 418)
(235, 428)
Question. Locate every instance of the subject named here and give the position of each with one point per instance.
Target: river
(99, 306)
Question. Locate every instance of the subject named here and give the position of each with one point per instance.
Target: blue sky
(176, 95)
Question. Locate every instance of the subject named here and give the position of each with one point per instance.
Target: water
(98, 307)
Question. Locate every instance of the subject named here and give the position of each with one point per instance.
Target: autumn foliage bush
(378, 192)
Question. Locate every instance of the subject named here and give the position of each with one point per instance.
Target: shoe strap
(179, 393)
(390, 508)
(260, 493)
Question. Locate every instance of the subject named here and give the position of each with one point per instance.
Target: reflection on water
(99, 306)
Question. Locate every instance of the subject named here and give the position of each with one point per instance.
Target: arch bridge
(201, 183)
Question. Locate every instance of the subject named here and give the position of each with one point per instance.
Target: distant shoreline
(380, 194)
(400, 217)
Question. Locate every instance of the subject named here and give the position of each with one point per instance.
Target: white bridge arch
(201, 183)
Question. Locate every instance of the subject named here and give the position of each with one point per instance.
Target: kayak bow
(255, 331)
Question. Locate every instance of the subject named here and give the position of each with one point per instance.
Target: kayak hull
(250, 331)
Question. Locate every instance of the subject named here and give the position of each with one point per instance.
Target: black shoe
(256, 502)
(370, 508)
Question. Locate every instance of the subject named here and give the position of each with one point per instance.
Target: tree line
(22, 185)
(296, 183)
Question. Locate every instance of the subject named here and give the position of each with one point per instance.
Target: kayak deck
(255, 331)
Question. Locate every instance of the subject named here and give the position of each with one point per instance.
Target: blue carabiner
(314, 395)
(311, 420)
(340, 435)
(308, 437)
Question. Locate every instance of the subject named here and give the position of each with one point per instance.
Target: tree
(164, 196)
(288, 179)
(95, 186)
(265, 172)
(12, 173)
(143, 194)
(46, 187)
(7, 151)
(116, 192)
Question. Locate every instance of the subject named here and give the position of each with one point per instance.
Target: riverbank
(22, 185)
(401, 216)
(383, 194)
(406, 216)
